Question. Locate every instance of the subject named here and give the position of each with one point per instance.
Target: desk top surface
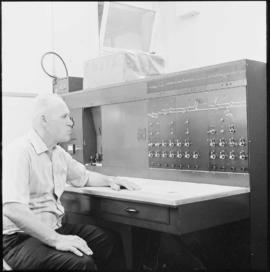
(163, 192)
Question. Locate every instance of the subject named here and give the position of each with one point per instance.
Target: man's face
(59, 125)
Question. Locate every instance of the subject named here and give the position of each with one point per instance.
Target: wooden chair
(6, 267)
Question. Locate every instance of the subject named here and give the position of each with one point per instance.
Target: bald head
(51, 119)
(45, 104)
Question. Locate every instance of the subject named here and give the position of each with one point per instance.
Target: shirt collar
(37, 142)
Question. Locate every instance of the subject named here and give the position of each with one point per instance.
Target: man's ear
(43, 118)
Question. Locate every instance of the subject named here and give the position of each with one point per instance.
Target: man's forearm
(28, 222)
(97, 179)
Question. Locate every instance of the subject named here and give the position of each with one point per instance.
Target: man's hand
(118, 182)
(72, 243)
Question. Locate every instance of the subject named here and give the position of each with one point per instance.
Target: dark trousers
(23, 252)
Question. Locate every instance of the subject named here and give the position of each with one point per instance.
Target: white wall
(75, 37)
(29, 29)
(16, 117)
(223, 31)
(26, 35)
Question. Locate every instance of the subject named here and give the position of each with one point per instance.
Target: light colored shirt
(32, 177)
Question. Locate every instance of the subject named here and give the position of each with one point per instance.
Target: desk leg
(126, 236)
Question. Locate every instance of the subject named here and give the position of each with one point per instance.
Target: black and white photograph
(134, 136)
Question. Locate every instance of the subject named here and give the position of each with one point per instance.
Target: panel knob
(164, 155)
(242, 155)
(212, 142)
(232, 142)
(232, 129)
(213, 155)
(171, 143)
(179, 155)
(212, 131)
(187, 155)
(232, 155)
(178, 143)
(222, 142)
(242, 142)
(222, 155)
(164, 143)
(187, 143)
(195, 155)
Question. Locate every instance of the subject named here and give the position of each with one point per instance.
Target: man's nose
(71, 122)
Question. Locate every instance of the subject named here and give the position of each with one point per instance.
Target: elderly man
(35, 171)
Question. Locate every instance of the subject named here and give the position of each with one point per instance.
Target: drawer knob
(130, 210)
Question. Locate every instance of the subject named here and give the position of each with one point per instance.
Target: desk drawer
(136, 210)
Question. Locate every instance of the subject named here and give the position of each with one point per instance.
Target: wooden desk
(167, 206)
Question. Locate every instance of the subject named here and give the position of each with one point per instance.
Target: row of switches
(232, 155)
(232, 142)
(179, 155)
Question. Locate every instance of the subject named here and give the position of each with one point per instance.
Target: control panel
(199, 131)
(195, 125)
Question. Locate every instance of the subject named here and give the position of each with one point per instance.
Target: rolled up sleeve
(16, 171)
(76, 172)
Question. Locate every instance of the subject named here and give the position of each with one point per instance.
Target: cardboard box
(120, 67)
(67, 84)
